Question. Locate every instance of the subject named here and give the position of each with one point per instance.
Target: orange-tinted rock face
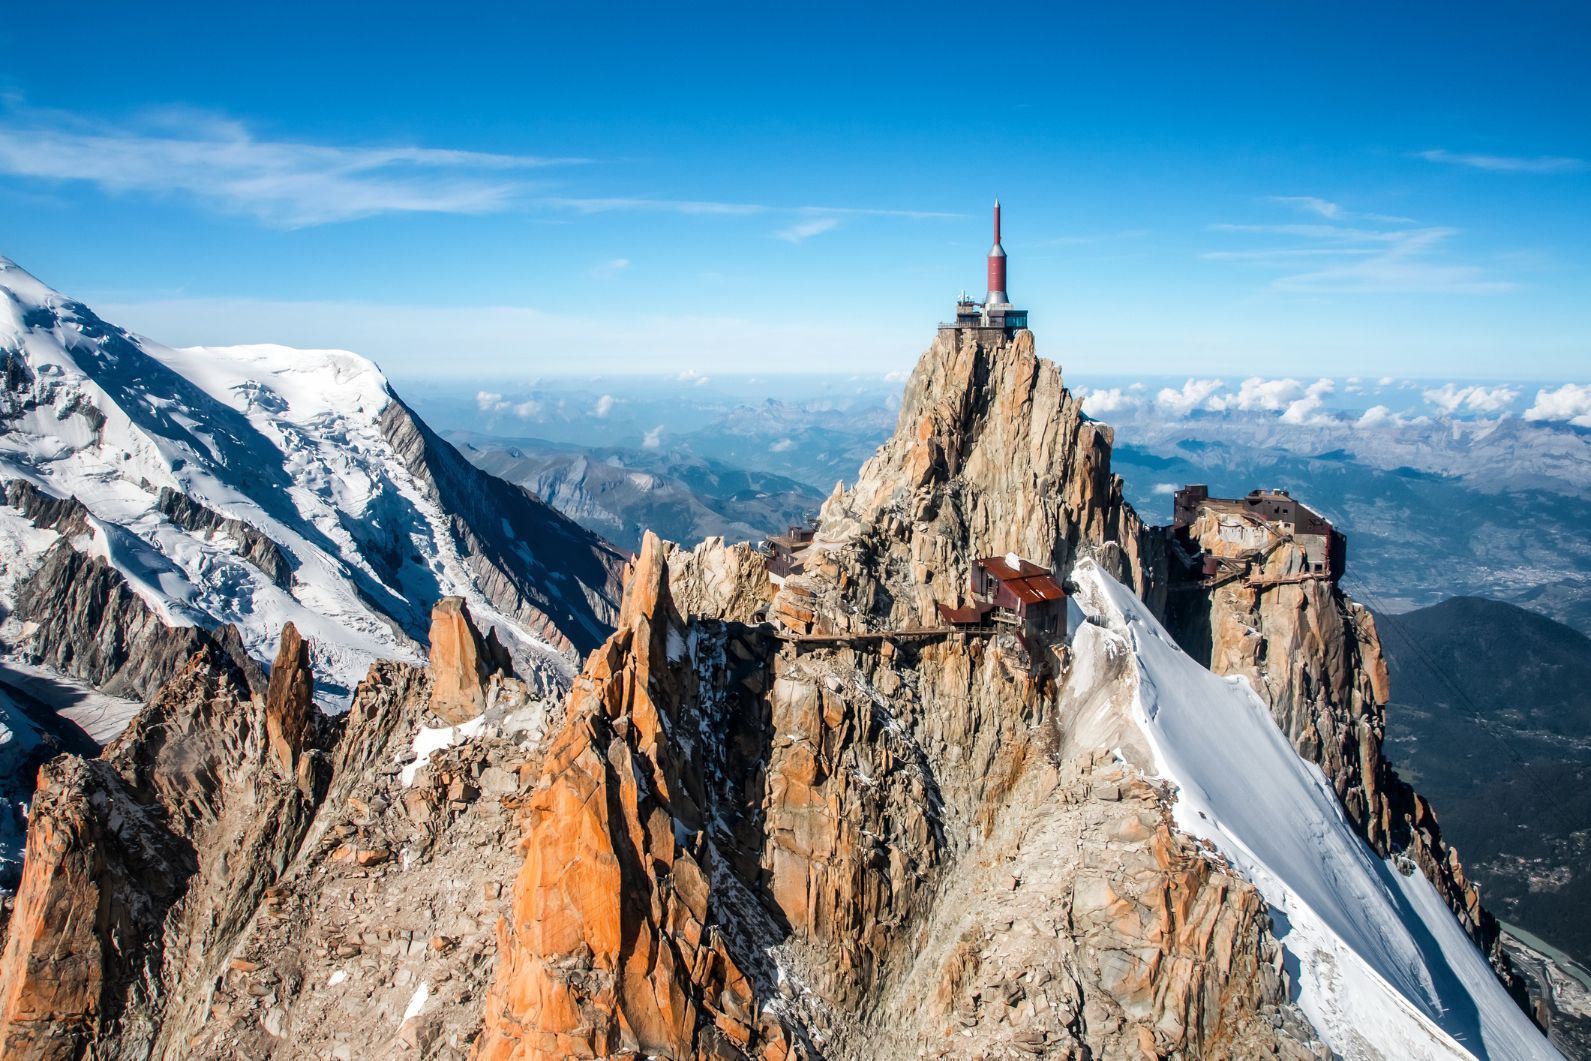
(461, 662)
(51, 1012)
(145, 863)
(609, 950)
(94, 887)
(289, 700)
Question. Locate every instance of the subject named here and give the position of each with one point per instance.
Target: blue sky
(1271, 188)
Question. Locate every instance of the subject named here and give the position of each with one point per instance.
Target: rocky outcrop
(991, 455)
(462, 662)
(253, 544)
(745, 840)
(87, 622)
(1313, 655)
(289, 701)
(610, 948)
(533, 564)
(732, 839)
(237, 872)
(741, 844)
(99, 877)
(142, 866)
(65, 515)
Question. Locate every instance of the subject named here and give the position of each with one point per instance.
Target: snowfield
(288, 441)
(1377, 961)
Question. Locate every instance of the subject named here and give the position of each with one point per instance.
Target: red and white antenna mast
(997, 295)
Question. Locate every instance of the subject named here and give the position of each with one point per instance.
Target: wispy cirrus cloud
(1377, 254)
(609, 269)
(1333, 211)
(1311, 204)
(221, 163)
(1504, 163)
(611, 204)
(804, 230)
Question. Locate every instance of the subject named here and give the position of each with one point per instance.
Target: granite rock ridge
(192, 892)
(791, 842)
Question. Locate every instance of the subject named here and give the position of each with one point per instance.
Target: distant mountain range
(621, 493)
(1491, 719)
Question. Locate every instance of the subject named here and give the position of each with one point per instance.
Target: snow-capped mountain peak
(193, 464)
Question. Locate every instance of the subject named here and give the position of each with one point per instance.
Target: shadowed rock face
(253, 544)
(65, 515)
(91, 625)
(552, 575)
(611, 947)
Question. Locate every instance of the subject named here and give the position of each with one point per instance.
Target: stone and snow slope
(257, 485)
(1381, 966)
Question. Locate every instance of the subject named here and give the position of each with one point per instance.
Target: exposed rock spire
(289, 700)
(462, 662)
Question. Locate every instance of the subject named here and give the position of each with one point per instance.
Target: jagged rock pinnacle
(462, 662)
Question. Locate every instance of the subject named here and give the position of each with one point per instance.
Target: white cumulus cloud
(1379, 416)
(604, 405)
(1256, 393)
(653, 438)
(1570, 403)
(1194, 393)
(1101, 401)
(1451, 398)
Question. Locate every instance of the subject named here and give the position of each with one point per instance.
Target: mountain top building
(995, 312)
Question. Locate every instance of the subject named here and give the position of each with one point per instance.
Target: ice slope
(1378, 962)
(289, 441)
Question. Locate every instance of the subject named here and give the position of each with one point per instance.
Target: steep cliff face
(885, 846)
(992, 454)
(86, 621)
(1314, 657)
(852, 833)
(738, 844)
(529, 561)
(611, 947)
(185, 795)
(739, 837)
